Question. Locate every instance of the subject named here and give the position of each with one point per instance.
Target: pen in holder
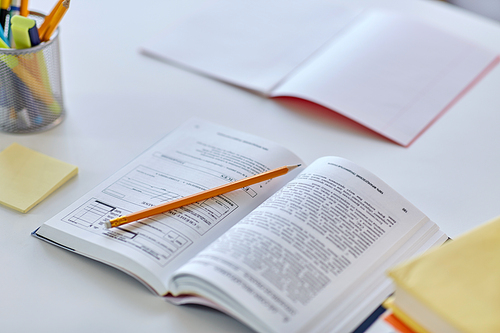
(31, 86)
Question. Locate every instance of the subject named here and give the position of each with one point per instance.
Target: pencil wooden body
(54, 22)
(23, 11)
(45, 25)
(200, 196)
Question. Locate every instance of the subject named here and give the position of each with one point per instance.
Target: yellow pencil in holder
(34, 84)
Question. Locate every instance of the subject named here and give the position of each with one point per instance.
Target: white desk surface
(119, 102)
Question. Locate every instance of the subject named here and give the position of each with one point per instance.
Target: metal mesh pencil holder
(31, 86)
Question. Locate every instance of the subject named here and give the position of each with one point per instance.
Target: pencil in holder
(31, 98)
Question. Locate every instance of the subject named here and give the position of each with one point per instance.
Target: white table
(119, 102)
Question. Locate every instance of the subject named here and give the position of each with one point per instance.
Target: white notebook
(391, 73)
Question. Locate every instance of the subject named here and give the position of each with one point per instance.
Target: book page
(390, 73)
(253, 44)
(306, 249)
(195, 157)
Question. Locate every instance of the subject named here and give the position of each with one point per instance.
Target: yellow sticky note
(27, 177)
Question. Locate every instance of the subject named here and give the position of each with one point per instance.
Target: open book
(389, 72)
(303, 252)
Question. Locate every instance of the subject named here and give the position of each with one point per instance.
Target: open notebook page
(389, 73)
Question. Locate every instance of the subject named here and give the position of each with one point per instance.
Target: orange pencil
(48, 18)
(165, 207)
(56, 19)
(54, 22)
(23, 9)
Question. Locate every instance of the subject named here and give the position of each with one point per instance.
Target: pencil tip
(107, 225)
